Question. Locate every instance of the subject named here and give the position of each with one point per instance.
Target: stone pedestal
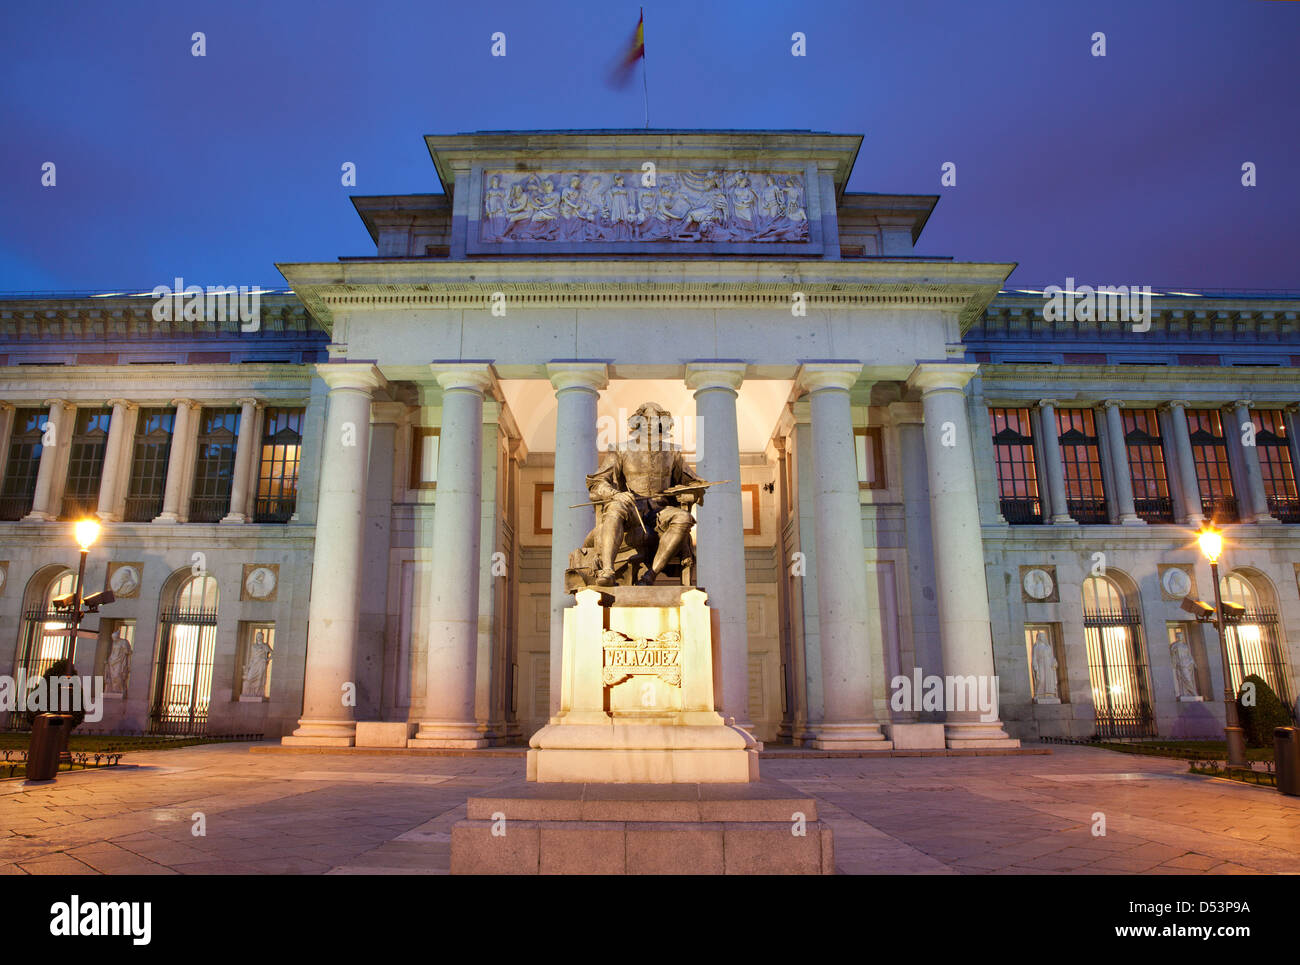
(637, 695)
(760, 828)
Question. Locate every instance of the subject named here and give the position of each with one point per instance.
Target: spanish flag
(635, 51)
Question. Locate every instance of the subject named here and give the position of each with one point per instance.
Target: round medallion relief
(1038, 584)
(1176, 582)
(260, 583)
(125, 581)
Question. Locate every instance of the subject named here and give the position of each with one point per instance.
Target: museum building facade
(349, 522)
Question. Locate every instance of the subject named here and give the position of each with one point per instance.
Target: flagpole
(645, 87)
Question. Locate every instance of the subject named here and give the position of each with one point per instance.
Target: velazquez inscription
(625, 656)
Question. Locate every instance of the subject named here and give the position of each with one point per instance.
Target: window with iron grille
(1275, 465)
(149, 455)
(1210, 457)
(1013, 455)
(1085, 497)
(85, 463)
(214, 470)
(277, 474)
(1146, 466)
(24, 462)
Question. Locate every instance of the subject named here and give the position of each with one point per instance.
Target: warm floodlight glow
(87, 531)
(1211, 541)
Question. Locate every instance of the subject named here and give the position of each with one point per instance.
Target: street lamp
(1211, 543)
(86, 531)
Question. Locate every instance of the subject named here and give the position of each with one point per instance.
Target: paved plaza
(339, 813)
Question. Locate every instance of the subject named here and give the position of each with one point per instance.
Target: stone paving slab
(346, 814)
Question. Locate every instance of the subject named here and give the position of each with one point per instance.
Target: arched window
(1117, 666)
(45, 630)
(183, 692)
(1254, 643)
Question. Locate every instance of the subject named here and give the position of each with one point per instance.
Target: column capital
(575, 374)
(124, 403)
(1173, 404)
(248, 400)
(1239, 404)
(814, 376)
(362, 376)
(61, 403)
(1112, 403)
(474, 376)
(930, 377)
(187, 403)
(704, 374)
(1048, 403)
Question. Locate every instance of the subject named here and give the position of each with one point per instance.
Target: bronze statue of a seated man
(639, 523)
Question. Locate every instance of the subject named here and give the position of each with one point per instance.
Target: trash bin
(49, 740)
(1286, 755)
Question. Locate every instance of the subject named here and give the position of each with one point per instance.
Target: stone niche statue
(255, 664)
(117, 669)
(1180, 653)
(643, 497)
(1045, 668)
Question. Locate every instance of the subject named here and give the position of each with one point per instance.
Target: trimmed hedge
(1267, 712)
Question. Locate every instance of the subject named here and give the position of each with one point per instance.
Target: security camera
(96, 600)
(1198, 608)
(65, 602)
(1233, 612)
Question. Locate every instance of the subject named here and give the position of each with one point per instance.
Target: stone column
(333, 613)
(185, 427)
(112, 480)
(1192, 512)
(8, 413)
(1257, 510)
(961, 589)
(1122, 483)
(1290, 418)
(1054, 467)
(59, 423)
(577, 387)
(451, 676)
(243, 457)
(849, 717)
(721, 534)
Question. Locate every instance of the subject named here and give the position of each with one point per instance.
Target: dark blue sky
(1117, 170)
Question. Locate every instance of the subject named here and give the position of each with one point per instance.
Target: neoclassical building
(349, 521)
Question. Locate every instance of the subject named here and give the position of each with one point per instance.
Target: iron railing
(1021, 511)
(1117, 670)
(1091, 511)
(269, 510)
(142, 509)
(1284, 508)
(1254, 647)
(184, 673)
(14, 508)
(1155, 509)
(78, 507)
(1220, 509)
(208, 509)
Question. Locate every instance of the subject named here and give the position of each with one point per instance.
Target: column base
(452, 734)
(35, 517)
(1064, 521)
(108, 517)
(977, 735)
(167, 518)
(1267, 520)
(855, 736)
(1132, 521)
(322, 733)
(235, 518)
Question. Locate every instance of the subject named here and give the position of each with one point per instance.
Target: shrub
(61, 668)
(1266, 713)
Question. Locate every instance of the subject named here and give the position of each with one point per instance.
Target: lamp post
(86, 532)
(1211, 543)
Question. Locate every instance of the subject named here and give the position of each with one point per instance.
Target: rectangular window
(871, 457)
(150, 451)
(85, 463)
(1085, 497)
(424, 458)
(277, 475)
(24, 462)
(1146, 466)
(1275, 465)
(214, 471)
(1210, 456)
(1013, 455)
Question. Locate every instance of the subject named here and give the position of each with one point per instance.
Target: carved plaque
(674, 205)
(625, 656)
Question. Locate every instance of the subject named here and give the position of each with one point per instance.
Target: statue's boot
(605, 578)
(647, 578)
